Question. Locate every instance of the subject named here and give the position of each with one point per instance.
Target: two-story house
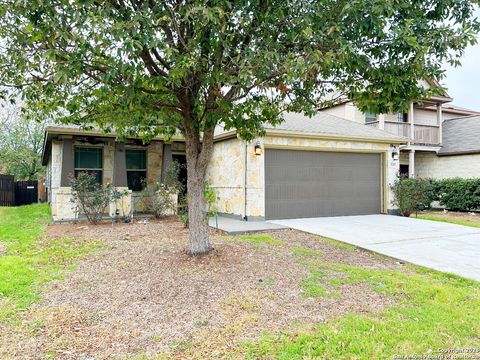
(432, 140)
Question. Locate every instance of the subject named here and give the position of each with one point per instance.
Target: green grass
(338, 244)
(432, 311)
(450, 220)
(259, 240)
(30, 261)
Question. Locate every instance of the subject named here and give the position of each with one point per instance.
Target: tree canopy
(21, 143)
(144, 67)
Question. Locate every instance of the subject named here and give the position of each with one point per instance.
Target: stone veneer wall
(227, 170)
(429, 165)
(226, 173)
(59, 197)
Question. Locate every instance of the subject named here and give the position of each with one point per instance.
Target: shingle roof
(327, 124)
(461, 135)
(322, 123)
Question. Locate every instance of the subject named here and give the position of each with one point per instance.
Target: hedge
(457, 193)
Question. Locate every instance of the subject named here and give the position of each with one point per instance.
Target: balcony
(423, 134)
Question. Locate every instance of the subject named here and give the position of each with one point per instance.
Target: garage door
(314, 183)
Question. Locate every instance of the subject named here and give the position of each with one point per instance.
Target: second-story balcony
(422, 134)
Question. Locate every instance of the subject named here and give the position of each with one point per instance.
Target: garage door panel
(314, 184)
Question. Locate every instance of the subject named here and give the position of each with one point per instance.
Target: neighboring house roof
(461, 136)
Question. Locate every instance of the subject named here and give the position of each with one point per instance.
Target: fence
(7, 190)
(15, 193)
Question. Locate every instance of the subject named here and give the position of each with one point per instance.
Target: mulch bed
(140, 294)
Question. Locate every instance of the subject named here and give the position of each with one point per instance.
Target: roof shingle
(461, 135)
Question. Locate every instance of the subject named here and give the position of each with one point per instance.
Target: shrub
(160, 200)
(412, 194)
(90, 197)
(457, 193)
(211, 198)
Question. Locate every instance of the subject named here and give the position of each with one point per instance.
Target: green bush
(412, 194)
(90, 197)
(457, 194)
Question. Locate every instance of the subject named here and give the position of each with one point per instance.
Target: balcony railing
(424, 134)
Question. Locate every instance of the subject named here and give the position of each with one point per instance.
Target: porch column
(381, 121)
(440, 122)
(119, 166)
(166, 160)
(411, 164)
(411, 116)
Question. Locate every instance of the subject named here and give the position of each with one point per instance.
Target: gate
(26, 192)
(7, 190)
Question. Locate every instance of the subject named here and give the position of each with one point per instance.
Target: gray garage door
(314, 183)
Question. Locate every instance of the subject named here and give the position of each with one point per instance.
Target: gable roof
(461, 136)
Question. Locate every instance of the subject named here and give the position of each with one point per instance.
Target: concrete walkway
(237, 226)
(445, 247)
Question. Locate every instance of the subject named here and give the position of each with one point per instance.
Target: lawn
(283, 294)
(26, 260)
(459, 218)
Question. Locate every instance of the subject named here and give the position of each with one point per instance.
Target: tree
(144, 67)
(21, 143)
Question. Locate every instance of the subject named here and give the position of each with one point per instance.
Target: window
(136, 162)
(402, 117)
(370, 117)
(90, 160)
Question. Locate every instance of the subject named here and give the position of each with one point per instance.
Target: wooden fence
(16, 193)
(7, 190)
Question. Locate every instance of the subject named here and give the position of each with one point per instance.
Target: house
(423, 125)
(459, 155)
(305, 167)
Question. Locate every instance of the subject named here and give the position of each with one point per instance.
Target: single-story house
(304, 167)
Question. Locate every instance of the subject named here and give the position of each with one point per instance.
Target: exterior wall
(154, 162)
(351, 112)
(226, 172)
(59, 197)
(429, 165)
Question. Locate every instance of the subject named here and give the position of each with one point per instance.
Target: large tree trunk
(198, 156)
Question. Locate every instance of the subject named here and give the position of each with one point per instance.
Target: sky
(462, 82)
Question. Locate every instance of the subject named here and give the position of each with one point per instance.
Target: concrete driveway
(440, 246)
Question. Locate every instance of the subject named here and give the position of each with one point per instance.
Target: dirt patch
(140, 294)
(3, 249)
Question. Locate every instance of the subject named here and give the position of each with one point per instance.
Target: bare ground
(141, 295)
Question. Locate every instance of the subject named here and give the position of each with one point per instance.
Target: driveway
(445, 247)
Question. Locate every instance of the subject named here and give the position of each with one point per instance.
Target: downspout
(245, 182)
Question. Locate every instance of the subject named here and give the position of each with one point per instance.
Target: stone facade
(242, 193)
(60, 196)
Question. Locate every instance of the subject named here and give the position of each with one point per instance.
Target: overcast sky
(463, 82)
